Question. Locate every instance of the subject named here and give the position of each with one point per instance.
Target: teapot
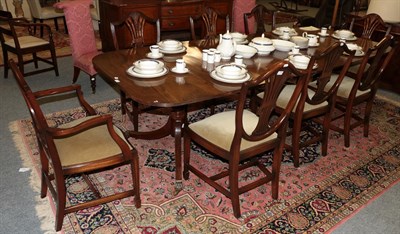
(227, 46)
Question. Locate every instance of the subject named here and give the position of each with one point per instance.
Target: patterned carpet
(313, 198)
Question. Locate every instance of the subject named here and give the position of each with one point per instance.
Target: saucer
(185, 70)
(214, 75)
(150, 55)
(323, 35)
(132, 72)
(183, 49)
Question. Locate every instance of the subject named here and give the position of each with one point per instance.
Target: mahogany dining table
(178, 91)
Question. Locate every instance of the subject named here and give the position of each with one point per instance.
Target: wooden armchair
(360, 88)
(366, 26)
(261, 16)
(317, 100)
(207, 21)
(17, 37)
(80, 147)
(135, 23)
(240, 136)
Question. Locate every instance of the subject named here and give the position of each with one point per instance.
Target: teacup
(155, 50)
(180, 65)
(312, 39)
(286, 35)
(324, 31)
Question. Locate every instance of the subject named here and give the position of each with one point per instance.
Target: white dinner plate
(183, 49)
(242, 42)
(132, 72)
(214, 75)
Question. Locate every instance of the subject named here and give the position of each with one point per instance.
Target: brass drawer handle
(170, 11)
(171, 24)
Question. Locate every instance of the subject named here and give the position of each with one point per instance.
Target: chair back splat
(135, 23)
(78, 148)
(82, 37)
(240, 136)
(261, 16)
(205, 25)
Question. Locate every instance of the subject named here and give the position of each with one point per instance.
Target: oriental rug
(313, 198)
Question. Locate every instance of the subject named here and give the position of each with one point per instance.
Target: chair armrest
(67, 89)
(22, 22)
(89, 124)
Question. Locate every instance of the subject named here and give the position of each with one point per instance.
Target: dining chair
(81, 147)
(205, 25)
(239, 136)
(95, 11)
(317, 101)
(261, 16)
(368, 25)
(17, 37)
(135, 23)
(82, 37)
(360, 88)
(44, 13)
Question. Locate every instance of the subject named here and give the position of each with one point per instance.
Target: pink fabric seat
(82, 37)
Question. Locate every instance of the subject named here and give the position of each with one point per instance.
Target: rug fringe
(43, 209)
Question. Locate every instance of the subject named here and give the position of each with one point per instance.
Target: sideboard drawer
(188, 10)
(177, 23)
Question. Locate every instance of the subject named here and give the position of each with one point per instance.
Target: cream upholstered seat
(79, 148)
(240, 136)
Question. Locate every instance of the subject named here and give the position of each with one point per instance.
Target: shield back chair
(360, 88)
(17, 37)
(207, 21)
(44, 13)
(261, 16)
(135, 23)
(81, 147)
(82, 37)
(316, 102)
(367, 25)
(240, 136)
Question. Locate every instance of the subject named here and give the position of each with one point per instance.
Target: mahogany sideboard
(173, 14)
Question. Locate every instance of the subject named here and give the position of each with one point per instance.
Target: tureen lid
(262, 41)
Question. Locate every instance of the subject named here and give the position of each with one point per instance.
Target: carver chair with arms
(44, 13)
(360, 88)
(81, 147)
(367, 25)
(239, 136)
(18, 38)
(317, 102)
(207, 21)
(261, 16)
(82, 37)
(135, 23)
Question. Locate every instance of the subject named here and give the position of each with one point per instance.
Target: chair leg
(56, 24)
(325, 133)
(65, 25)
(6, 66)
(234, 185)
(346, 125)
(60, 204)
(136, 180)
(45, 171)
(296, 140)
(367, 115)
(21, 63)
(135, 115)
(276, 167)
(35, 60)
(34, 28)
(54, 59)
(123, 102)
(77, 70)
(41, 28)
(93, 83)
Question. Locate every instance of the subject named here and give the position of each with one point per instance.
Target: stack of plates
(230, 73)
(170, 46)
(147, 68)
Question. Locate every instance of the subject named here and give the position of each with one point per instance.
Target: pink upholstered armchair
(82, 38)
